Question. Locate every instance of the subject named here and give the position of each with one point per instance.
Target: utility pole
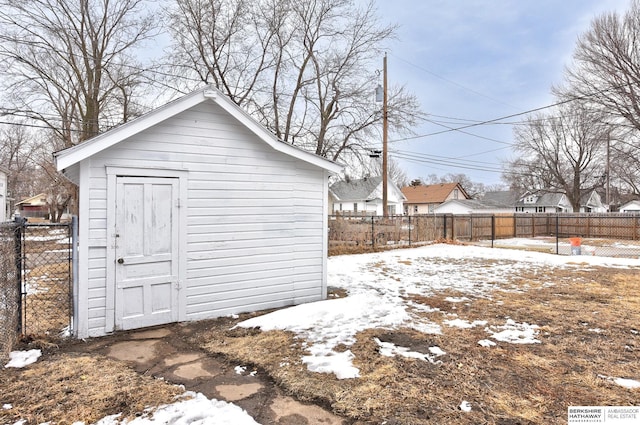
(385, 212)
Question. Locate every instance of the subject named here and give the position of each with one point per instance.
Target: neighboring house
(472, 206)
(364, 197)
(34, 207)
(632, 207)
(592, 202)
(4, 202)
(194, 211)
(425, 199)
(543, 203)
(502, 197)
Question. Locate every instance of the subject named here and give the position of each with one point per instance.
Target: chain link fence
(10, 297)
(47, 279)
(36, 281)
(611, 235)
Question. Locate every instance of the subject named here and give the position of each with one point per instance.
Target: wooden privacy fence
(407, 230)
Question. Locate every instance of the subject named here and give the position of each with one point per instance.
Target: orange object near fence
(575, 241)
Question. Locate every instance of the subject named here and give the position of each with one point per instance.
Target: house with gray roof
(502, 197)
(364, 197)
(592, 202)
(473, 206)
(543, 203)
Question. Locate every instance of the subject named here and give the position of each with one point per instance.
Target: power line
(471, 134)
(423, 69)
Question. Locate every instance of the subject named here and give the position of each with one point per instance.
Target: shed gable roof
(71, 156)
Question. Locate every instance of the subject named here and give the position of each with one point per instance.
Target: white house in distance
(4, 202)
(632, 207)
(195, 211)
(592, 202)
(558, 202)
(364, 197)
(543, 203)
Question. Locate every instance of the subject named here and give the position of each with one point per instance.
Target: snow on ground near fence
(378, 284)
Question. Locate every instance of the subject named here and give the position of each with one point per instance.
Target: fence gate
(36, 280)
(44, 275)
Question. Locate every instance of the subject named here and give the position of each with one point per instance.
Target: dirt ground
(130, 371)
(589, 332)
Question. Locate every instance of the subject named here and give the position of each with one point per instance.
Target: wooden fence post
(444, 231)
(493, 228)
(373, 234)
(453, 227)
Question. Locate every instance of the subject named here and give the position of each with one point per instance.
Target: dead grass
(71, 387)
(349, 248)
(588, 332)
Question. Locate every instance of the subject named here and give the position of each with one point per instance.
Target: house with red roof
(425, 199)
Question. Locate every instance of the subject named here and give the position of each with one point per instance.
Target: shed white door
(146, 251)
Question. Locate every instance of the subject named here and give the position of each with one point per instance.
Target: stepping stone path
(165, 353)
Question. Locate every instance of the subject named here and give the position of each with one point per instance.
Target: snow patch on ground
(385, 288)
(515, 333)
(464, 324)
(20, 359)
(465, 406)
(389, 349)
(197, 409)
(623, 382)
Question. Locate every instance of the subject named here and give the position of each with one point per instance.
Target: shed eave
(74, 155)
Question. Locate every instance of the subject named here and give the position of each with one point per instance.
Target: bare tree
(306, 69)
(395, 172)
(563, 153)
(227, 43)
(70, 65)
(605, 72)
(473, 189)
(18, 152)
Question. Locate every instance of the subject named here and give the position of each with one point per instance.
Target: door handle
(120, 260)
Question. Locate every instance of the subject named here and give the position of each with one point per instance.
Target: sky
(478, 60)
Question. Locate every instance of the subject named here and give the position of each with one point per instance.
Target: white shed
(195, 211)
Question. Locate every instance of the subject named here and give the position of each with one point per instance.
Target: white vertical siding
(255, 218)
